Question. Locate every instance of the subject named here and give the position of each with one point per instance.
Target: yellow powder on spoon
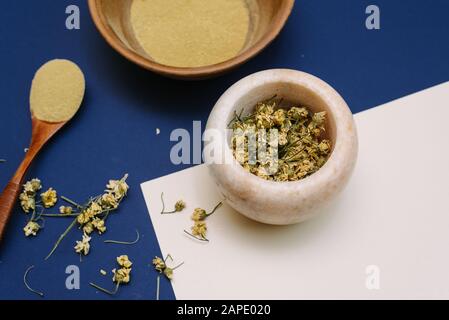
(190, 33)
(57, 91)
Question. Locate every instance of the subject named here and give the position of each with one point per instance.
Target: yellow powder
(190, 33)
(57, 91)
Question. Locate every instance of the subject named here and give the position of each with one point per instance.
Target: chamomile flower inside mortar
(294, 134)
(280, 145)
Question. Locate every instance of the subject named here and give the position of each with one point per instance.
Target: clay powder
(57, 91)
(190, 33)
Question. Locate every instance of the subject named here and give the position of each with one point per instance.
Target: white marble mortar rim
(341, 152)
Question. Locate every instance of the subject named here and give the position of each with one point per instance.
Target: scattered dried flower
(99, 225)
(108, 200)
(160, 266)
(118, 188)
(49, 198)
(83, 246)
(27, 197)
(65, 210)
(92, 216)
(120, 276)
(199, 228)
(179, 206)
(168, 272)
(32, 187)
(27, 202)
(31, 228)
(123, 261)
(199, 214)
(88, 228)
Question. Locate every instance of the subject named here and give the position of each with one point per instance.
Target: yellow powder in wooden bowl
(190, 33)
(57, 91)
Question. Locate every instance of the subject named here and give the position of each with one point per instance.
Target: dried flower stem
(60, 215)
(27, 285)
(61, 237)
(215, 209)
(73, 203)
(294, 155)
(125, 242)
(179, 206)
(174, 268)
(195, 237)
(106, 290)
(158, 284)
(163, 206)
(163, 203)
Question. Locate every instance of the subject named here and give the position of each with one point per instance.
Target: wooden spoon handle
(12, 189)
(41, 132)
(7, 200)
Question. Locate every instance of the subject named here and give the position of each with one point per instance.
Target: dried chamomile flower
(31, 228)
(325, 146)
(160, 266)
(279, 117)
(65, 210)
(83, 218)
(120, 276)
(199, 229)
(32, 186)
(83, 246)
(179, 206)
(168, 272)
(123, 261)
(27, 197)
(118, 188)
(99, 225)
(108, 200)
(88, 228)
(199, 214)
(289, 142)
(94, 209)
(297, 113)
(92, 215)
(49, 198)
(27, 202)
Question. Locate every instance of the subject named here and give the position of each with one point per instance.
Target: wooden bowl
(267, 17)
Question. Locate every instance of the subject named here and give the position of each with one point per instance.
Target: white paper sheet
(393, 215)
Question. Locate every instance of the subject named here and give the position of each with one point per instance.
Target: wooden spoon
(56, 95)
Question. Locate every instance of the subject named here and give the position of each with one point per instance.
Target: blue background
(114, 132)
